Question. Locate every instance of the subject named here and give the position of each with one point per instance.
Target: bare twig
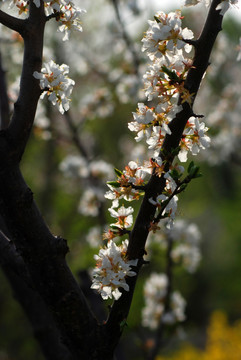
(126, 38)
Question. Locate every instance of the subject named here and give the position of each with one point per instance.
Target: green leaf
(157, 20)
(113, 183)
(118, 172)
(190, 167)
(123, 323)
(171, 73)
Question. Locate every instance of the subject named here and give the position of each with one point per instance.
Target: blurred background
(70, 157)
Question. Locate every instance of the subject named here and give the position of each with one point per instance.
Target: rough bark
(42, 255)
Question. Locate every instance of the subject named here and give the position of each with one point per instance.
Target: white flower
(90, 202)
(178, 305)
(144, 115)
(94, 236)
(239, 48)
(155, 290)
(165, 35)
(111, 270)
(125, 219)
(101, 169)
(188, 256)
(56, 84)
(70, 20)
(194, 138)
(75, 166)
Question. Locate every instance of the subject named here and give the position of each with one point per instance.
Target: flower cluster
(56, 84)
(185, 240)
(92, 173)
(67, 14)
(166, 44)
(193, 138)
(64, 11)
(155, 292)
(111, 270)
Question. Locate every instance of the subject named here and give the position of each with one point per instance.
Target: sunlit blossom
(55, 82)
(111, 270)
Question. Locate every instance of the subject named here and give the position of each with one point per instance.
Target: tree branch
(44, 328)
(12, 22)
(25, 107)
(43, 253)
(155, 186)
(126, 38)
(4, 103)
(44, 256)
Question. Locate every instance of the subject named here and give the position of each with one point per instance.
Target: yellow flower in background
(223, 342)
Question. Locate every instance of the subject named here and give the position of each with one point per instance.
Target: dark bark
(4, 103)
(43, 325)
(43, 254)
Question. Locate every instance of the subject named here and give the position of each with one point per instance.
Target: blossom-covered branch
(171, 80)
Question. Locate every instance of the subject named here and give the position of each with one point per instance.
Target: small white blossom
(144, 114)
(70, 20)
(94, 236)
(125, 219)
(90, 202)
(111, 270)
(75, 166)
(101, 169)
(56, 84)
(155, 290)
(176, 314)
(194, 138)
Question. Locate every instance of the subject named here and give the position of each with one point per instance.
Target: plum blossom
(55, 82)
(194, 138)
(155, 292)
(94, 236)
(188, 256)
(90, 202)
(144, 115)
(165, 35)
(75, 166)
(69, 19)
(68, 13)
(112, 268)
(125, 219)
(185, 240)
(177, 312)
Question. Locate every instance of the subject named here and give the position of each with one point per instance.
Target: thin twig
(126, 38)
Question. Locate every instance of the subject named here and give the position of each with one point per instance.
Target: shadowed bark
(35, 250)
